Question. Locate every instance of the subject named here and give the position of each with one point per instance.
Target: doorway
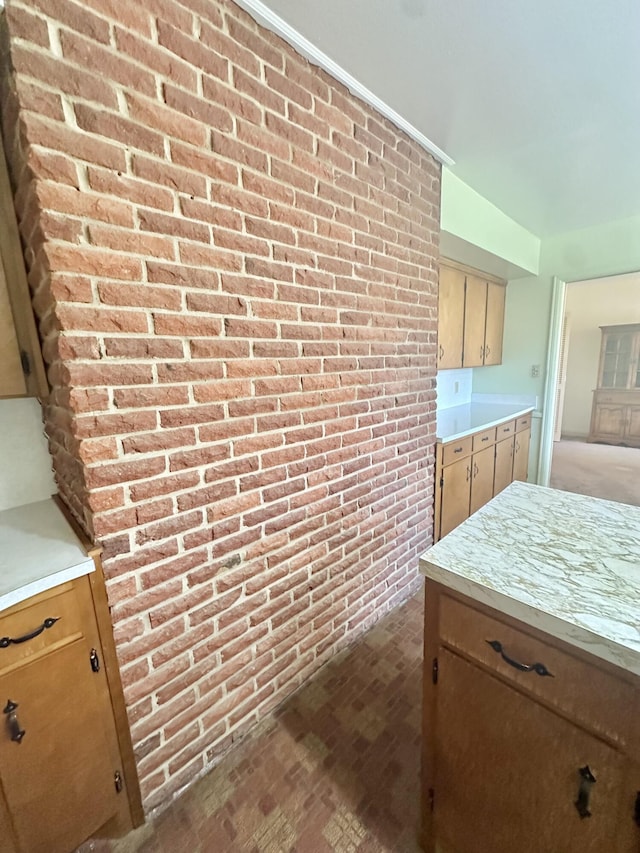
(583, 459)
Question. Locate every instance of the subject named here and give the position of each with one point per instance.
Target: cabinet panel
(482, 465)
(450, 317)
(12, 382)
(521, 455)
(504, 465)
(609, 420)
(59, 779)
(456, 450)
(632, 429)
(507, 772)
(484, 439)
(494, 328)
(456, 489)
(475, 313)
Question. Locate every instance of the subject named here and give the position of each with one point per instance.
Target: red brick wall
(234, 267)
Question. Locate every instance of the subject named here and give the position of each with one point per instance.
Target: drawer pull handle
(441, 352)
(5, 642)
(12, 721)
(457, 450)
(636, 810)
(587, 781)
(486, 438)
(538, 668)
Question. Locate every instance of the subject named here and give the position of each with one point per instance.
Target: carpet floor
(334, 770)
(599, 470)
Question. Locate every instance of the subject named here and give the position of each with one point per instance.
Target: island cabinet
(66, 764)
(473, 469)
(470, 317)
(529, 744)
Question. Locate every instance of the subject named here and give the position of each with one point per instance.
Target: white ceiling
(538, 103)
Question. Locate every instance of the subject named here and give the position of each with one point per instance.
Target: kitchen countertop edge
(517, 412)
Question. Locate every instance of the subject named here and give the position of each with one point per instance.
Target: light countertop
(38, 550)
(566, 564)
(459, 421)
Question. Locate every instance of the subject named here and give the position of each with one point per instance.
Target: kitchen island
(532, 673)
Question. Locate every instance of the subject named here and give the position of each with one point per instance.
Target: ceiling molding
(265, 16)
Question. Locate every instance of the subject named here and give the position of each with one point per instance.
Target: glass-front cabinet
(615, 416)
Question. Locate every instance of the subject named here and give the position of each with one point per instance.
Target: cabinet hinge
(434, 671)
(117, 781)
(441, 480)
(94, 660)
(432, 799)
(25, 362)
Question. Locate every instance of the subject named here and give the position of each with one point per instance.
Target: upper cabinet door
(475, 312)
(495, 323)
(21, 366)
(450, 318)
(12, 380)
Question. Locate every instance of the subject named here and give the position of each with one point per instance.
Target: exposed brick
(234, 269)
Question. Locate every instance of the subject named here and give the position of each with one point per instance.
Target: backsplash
(25, 464)
(454, 387)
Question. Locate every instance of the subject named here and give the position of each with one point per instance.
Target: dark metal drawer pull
(457, 450)
(538, 668)
(5, 642)
(587, 781)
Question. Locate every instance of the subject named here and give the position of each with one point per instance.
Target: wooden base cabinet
(472, 470)
(66, 765)
(516, 761)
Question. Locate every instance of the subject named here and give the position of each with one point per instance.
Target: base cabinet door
(504, 465)
(510, 775)
(55, 766)
(521, 455)
(456, 487)
(482, 464)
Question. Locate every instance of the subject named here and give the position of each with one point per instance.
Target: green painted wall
(468, 216)
(606, 250)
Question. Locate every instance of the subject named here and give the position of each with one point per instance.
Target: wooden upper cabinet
(470, 317)
(494, 328)
(475, 316)
(450, 318)
(21, 367)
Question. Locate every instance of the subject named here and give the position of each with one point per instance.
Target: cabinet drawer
(484, 439)
(457, 450)
(592, 697)
(32, 619)
(523, 423)
(505, 430)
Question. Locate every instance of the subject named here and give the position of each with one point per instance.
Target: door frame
(558, 299)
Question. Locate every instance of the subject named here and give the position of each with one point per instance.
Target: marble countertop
(564, 563)
(38, 550)
(459, 421)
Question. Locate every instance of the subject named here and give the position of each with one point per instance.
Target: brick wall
(233, 267)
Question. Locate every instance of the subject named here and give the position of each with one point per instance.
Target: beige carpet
(600, 470)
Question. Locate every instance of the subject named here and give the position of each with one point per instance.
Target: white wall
(25, 464)
(453, 387)
(591, 304)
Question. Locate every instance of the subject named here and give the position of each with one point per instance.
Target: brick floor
(334, 770)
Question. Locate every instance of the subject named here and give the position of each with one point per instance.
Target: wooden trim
(467, 270)
(112, 668)
(18, 286)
